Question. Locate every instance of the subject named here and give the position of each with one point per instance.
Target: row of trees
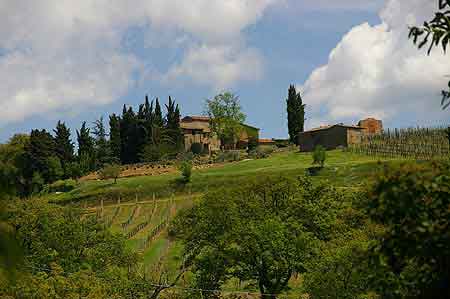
(27, 162)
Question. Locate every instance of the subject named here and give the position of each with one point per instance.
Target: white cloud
(377, 71)
(218, 65)
(342, 5)
(57, 55)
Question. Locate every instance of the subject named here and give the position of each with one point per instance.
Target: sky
(350, 59)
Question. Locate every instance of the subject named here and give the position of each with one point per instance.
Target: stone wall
(371, 125)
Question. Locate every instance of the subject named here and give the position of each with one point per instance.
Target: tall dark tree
(148, 116)
(63, 145)
(129, 138)
(295, 114)
(172, 123)
(41, 159)
(157, 115)
(86, 150)
(114, 137)
(102, 152)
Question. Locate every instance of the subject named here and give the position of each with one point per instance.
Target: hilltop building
(338, 135)
(196, 129)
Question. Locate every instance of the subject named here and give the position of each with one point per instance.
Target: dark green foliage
(412, 203)
(295, 114)
(63, 145)
(172, 123)
(102, 149)
(12, 166)
(40, 160)
(74, 170)
(439, 31)
(197, 148)
(157, 115)
(129, 136)
(319, 155)
(264, 231)
(114, 137)
(86, 150)
(252, 143)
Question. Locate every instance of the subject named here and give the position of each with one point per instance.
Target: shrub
(262, 151)
(110, 171)
(228, 156)
(197, 148)
(62, 186)
(186, 170)
(412, 202)
(319, 155)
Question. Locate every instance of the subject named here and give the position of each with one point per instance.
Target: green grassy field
(342, 169)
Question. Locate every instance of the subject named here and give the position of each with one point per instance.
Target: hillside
(342, 169)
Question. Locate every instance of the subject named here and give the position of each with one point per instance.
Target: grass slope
(341, 169)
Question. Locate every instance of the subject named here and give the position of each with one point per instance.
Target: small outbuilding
(330, 137)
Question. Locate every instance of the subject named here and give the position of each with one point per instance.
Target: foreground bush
(412, 202)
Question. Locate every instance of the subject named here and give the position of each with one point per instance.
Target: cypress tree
(148, 110)
(86, 152)
(114, 137)
(157, 115)
(102, 152)
(295, 114)
(63, 145)
(129, 137)
(173, 123)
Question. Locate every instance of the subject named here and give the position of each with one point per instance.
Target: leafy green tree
(435, 33)
(13, 165)
(226, 117)
(264, 232)
(319, 155)
(63, 144)
(412, 202)
(114, 137)
(110, 171)
(295, 114)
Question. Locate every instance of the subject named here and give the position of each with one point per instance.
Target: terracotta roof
(195, 118)
(265, 140)
(331, 126)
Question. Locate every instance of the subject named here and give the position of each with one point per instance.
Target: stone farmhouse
(338, 135)
(196, 129)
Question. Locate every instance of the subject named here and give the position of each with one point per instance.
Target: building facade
(330, 137)
(196, 129)
(338, 135)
